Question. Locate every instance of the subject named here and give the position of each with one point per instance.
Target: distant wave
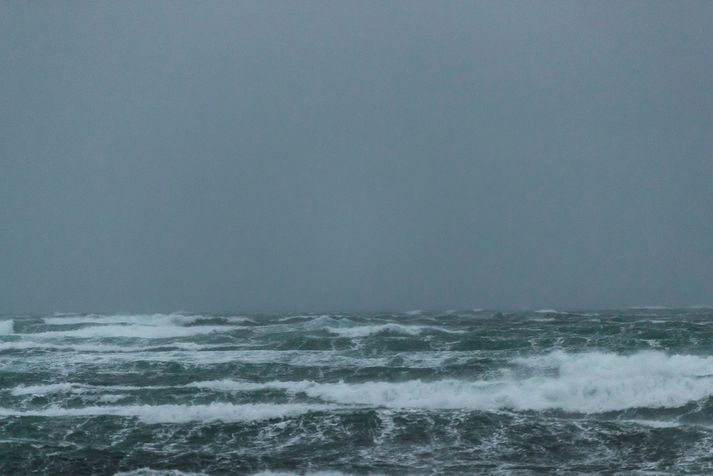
(139, 319)
(97, 347)
(178, 413)
(648, 308)
(7, 327)
(133, 331)
(71, 387)
(365, 331)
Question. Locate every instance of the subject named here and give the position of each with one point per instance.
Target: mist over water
(351, 156)
(392, 393)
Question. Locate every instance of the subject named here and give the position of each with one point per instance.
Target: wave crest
(580, 383)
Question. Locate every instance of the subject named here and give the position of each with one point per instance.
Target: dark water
(413, 393)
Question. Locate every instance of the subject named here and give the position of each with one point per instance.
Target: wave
(7, 327)
(106, 348)
(156, 326)
(365, 331)
(138, 319)
(71, 387)
(134, 331)
(582, 383)
(152, 414)
(174, 319)
(591, 382)
(212, 354)
(324, 321)
(351, 329)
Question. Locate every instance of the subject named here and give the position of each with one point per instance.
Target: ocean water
(456, 392)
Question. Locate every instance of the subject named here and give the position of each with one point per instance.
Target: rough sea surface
(457, 392)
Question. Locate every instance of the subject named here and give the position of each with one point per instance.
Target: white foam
(134, 331)
(648, 308)
(44, 345)
(584, 383)
(157, 472)
(111, 398)
(71, 387)
(287, 473)
(179, 413)
(365, 331)
(210, 355)
(42, 389)
(654, 423)
(138, 319)
(7, 327)
(174, 319)
(325, 322)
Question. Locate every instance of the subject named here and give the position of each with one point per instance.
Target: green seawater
(457, 392)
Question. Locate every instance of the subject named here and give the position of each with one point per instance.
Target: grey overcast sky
(320, 155)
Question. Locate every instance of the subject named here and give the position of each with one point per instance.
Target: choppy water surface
(412, 393)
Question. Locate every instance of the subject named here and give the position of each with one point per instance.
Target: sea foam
(134, 331)
(7, 327)
(365, 331)
(156, 472)
(225, 412)
(174, 319)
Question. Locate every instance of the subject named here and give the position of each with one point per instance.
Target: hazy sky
(228, 156)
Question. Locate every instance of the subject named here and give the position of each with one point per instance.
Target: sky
(364, 155)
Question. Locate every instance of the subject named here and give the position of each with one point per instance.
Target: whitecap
(287, 473)
(137, 319)
(7, 327)
(134, 331)
(284, 473)
(157, 472)
(654, 423)
(648, 308)
(71, 387)
(365, 331)
(225, 412)
(96, 347)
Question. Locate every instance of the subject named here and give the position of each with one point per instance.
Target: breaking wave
(225, 412)
(582, 383)
(7, 327)
(132, 331)
(365, 331)
(592, 382)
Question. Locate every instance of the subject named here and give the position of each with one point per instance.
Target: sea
(626, 391)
